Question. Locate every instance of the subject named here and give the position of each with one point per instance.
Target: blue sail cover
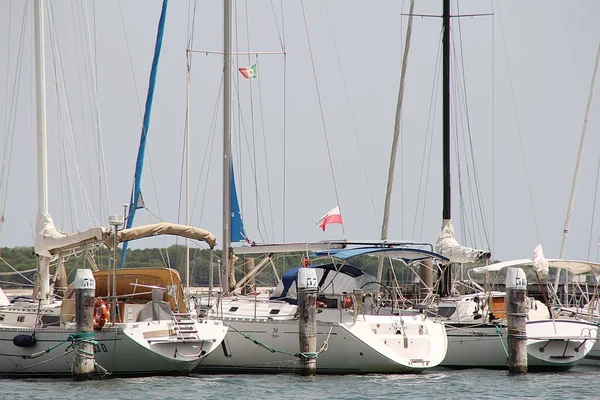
(238, 234)
(139, 164)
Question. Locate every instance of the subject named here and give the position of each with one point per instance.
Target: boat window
(444, 312)
(233, 309)
(274, 311)
(50, 320)
(21, 318)
(2, 317)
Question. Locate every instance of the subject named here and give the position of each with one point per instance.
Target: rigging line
(11, 120)
(61, 110)
(8, 58)
(468, 206)
(512, 91)
(264, 140)
(277, 26)
(312, 60)
(191, 28)
(467, 235)
(86, 107)
(478, 192)
(467, 223)
(593, 211)
(362, 158)
(100, 142)
(206, 159)
(15, 271)
(243, 129)
(428, 138)
(66, 116)
(252, 124)
(64, 110)
(135, 85)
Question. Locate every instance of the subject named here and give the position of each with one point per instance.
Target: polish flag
(332, 217)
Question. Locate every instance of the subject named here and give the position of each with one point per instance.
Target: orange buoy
(101, 314)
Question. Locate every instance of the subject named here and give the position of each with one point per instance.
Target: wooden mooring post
(516, 318)
(85, 293)
(307, 309)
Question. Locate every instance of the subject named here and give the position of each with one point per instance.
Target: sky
(521, 79)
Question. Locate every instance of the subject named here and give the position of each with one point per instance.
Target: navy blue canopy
(290, 277)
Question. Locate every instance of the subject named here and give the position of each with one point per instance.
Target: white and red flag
(332, 217)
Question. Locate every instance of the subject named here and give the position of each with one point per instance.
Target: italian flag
(249, 72)
(332, 217)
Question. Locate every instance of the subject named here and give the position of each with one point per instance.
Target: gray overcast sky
(549, 48)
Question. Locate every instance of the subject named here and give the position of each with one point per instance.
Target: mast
(139, 164)
(390, 182)
(446, 272)
(446, 109)
(563, 245)
(42, 153)
(226, 144)
(187, 173)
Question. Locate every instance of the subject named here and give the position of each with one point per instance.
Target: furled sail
(238, 234)
(49, 240)
(540, 264)
(448, 246)
(163, 228)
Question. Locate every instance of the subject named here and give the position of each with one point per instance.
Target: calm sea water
(578, 383)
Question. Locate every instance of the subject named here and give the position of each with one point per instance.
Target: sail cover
(163, 228)
(49, 240)
(448, 246)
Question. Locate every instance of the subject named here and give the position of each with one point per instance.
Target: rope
(499, 332)
(337, 197)
(306, 356)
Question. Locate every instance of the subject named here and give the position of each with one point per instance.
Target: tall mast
(446, 109)
(226, 143)
(42, 154)
(563, 246)
(390, 182)
(139, 163)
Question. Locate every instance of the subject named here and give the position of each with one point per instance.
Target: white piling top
(516, 279)
(307, 278)
(84, 279)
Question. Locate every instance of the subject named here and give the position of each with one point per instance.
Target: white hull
(148, 348)
(551, 344)
(370, 345)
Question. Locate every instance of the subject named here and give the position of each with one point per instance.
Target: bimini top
(406, 254)
(573, 266)
(333, 279)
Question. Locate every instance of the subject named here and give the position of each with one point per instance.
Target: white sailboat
(263, 334)
(476, 322)
(145, 337)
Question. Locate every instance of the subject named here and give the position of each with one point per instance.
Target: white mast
(390, 182)
(44, 262)
(563, 245)
(187, 176)
(226, 144)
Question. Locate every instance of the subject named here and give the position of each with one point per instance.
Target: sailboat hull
(129, 350)
(551, 345)
(259, 346)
